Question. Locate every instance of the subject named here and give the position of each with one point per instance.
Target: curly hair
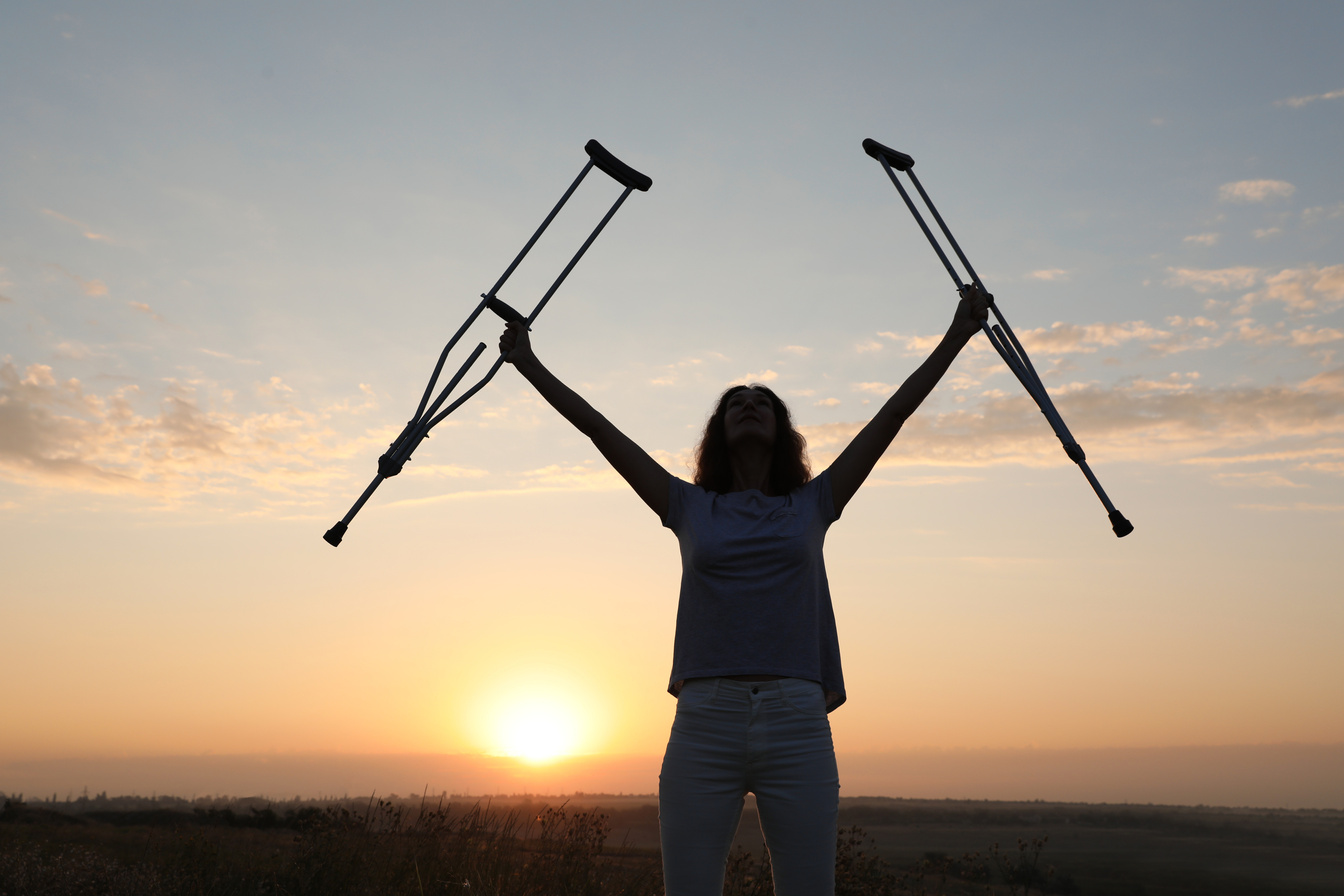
(789, 468)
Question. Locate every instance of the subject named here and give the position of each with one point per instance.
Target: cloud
(826, 403)
(442, 471)
(586, 477)
(1318, 213)
(1297, 102)
(1062, 338)
(1202, 239)
(225, 356)
(1050, 274)
(764, 376)
(922, 345)
(145, 309)
(1307, 289)
(1219, 280)
(801, 351)
(1256, 479)
(1165, 420)
(88, 234)
(1316, 336)
(1266, 232)
(874, 388)
(93, 288)
(1301, 290)
(672, 372)
(54, 433)
(1255, 190)
(918, 481)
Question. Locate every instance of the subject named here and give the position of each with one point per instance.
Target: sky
(235, 237)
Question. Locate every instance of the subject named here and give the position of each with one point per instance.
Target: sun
(537, 730)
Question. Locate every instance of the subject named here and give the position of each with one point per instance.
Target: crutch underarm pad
(1121, 525)
(623, 173)
(898, 160)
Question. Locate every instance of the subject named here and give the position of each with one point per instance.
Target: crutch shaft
(334, 535)
(1000, 335)
(427, 415)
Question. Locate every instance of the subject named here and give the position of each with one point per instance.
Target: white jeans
(770, 738)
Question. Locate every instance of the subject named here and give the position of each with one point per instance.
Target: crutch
(428, 415)
(1000, 335)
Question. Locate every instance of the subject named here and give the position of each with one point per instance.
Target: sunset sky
(234, 238)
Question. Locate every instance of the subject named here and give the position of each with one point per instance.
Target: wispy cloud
(1318, 213)
(225, 356)
(1297, 102)
(145, 309)
(671, 373)
(84, 228)
(1256, 479)
(1255, 190)
(1218, 280)
(1050, 274)
(1165, 420)
(1062, 338)
(762, 377)
(1202, 239)
(56, 433)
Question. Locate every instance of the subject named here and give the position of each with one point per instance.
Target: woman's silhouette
(756, 661)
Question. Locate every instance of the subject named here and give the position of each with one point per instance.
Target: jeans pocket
(696, 692)
(807, 698)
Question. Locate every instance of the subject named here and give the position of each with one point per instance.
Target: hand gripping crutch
(1000, 335)
(428, 415)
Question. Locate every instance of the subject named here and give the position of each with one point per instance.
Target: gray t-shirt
(754, 597)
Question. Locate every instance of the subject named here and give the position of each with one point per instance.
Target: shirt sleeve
(825, 506)
(676, 503)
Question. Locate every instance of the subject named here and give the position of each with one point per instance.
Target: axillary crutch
(1000, 335)
(428, 415)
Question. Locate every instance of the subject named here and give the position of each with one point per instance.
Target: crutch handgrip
(623, 173)
(898, 160)
(509, 313)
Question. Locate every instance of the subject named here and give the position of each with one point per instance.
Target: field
(603, 844)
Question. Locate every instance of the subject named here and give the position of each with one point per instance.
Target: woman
(756, 661)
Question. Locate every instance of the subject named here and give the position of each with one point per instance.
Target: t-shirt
(754, 597)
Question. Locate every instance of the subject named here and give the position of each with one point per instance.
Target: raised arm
(645, 475)
(854, 464)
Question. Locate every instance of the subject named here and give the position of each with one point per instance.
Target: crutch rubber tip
(898, 160)
(334, 535)
(1121, 525)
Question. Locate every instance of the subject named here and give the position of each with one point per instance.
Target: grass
(162, 846)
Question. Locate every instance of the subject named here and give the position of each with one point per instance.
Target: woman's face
(749, 417)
